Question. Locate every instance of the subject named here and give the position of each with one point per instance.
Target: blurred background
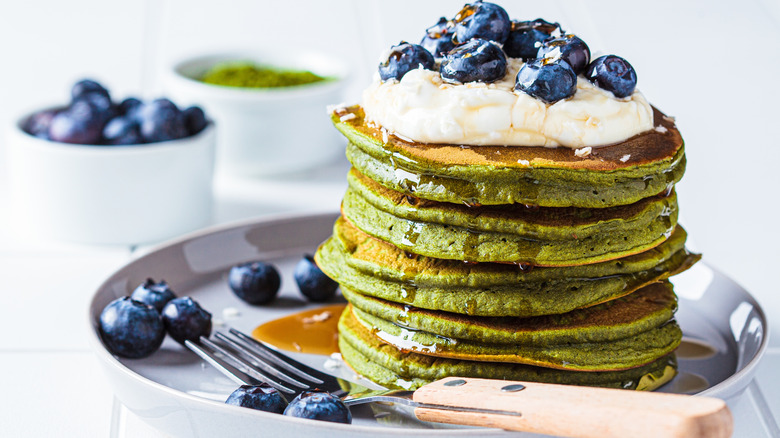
(711, 64)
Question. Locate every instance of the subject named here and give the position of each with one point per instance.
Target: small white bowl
(122, 195)
(266, 131)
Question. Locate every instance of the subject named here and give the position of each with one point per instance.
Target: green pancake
(649, 307)
(542, 237)
(616, 355)
(642, 166)
(393, 368)
(375, 268)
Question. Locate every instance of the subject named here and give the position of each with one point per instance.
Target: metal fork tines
(249, 362)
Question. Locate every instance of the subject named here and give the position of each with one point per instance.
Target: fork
(523, 406)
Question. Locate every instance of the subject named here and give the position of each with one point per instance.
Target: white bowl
(266, 131)
(122, 195)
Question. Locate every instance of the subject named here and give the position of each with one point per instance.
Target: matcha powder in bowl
(248, 75)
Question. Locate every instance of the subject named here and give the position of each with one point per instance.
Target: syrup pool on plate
(312, 331)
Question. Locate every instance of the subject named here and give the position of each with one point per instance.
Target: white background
(711, 64)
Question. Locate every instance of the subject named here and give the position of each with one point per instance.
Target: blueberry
(527, 36)
(129, 106)
(101, 103)
(438, 38)
(568, 47)
(477, 60)
(38, 123)
(612, 73)
(319, 406)
(161, 120)
(312, 282)
(85, 87)
(488, 21)
(194, 120)
(185, 319)
(154, 294)
(262, 397)
(254, 282)
(122, 130)
(81, 123)
(403, 58)
(549, 80)
(131, 328)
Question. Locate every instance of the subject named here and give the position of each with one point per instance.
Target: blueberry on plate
(404, 58)
(38, 123)
(549, 80)
(254, 282)
(612, 73)
(482, 20)
(185, 319)
(85, 87)
(262, 397)
(161, 120)
(131, 328)
(194, 120)
(81, 123)
(154, 294)
(568, 47)
(122, 130)
(477, 60)
(527, 36)
(438, 38)
(312, 282)
(319, 406)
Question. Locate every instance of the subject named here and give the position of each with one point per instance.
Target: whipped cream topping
(423, 108)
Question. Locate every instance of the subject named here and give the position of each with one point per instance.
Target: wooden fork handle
(575, 411)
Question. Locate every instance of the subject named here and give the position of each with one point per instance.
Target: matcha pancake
(393, 368)
(620, 174)
(647, 308)
(621, 354)
(543, 236)
(375, 268)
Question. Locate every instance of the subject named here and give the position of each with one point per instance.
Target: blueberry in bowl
(312, 282)
(527, 36)
(403, 58)
(254, 282)
(184, 319)
(438, 38)
(262, 397)
(319, 406)
(477, 60)
(131, 328)
(612, 73)
(549, 80)
(482, 20)
(155, 294)
(568, 47)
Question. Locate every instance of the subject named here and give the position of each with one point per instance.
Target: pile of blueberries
(92, 118)
(135, 326)
(475, 44)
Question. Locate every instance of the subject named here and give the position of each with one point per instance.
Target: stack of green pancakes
(522, 263)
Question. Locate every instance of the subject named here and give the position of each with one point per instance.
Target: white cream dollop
(425, 109)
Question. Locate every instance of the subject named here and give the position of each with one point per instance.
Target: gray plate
(725, 335)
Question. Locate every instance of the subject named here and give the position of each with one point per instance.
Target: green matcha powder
(247, 75)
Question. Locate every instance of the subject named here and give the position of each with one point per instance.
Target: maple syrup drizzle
(313, 331)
